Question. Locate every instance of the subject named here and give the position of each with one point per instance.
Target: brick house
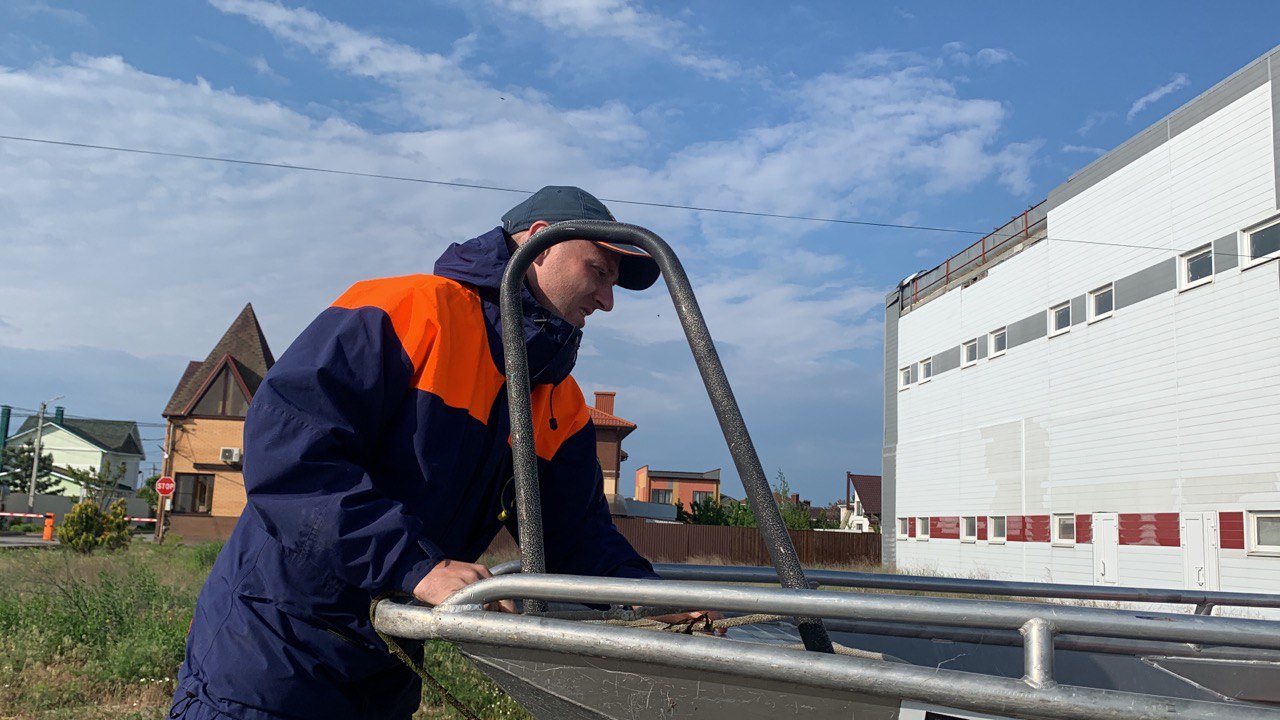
(205, 433)
(610, 430)
(668, 486)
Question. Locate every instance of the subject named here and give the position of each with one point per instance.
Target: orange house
(204, 438)
(668, 486)
(610, 430)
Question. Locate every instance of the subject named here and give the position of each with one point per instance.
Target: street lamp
(35, 460)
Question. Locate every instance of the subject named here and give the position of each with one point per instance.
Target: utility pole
(35, 460)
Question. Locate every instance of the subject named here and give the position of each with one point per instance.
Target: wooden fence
(668, 542)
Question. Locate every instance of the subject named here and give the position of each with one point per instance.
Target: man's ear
(537, 227)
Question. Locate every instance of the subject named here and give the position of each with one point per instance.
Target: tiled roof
(120, 436)
(868, 487)
(247, 347)
(604, 419)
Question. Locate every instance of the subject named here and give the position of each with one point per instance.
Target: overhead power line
(498, 188)
(477, 186)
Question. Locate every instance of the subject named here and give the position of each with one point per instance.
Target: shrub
(83, 527)
(116, 532)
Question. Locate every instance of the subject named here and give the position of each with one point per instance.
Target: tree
(795, 515)
(99, 484)
(15, 469)
(148, 492)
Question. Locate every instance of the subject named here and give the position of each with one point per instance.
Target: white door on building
(1106, 541)
(1199, 531)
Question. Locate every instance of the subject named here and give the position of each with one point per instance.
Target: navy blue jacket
(377, 446)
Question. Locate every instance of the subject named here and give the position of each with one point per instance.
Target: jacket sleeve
(311, 434)
(581, 538)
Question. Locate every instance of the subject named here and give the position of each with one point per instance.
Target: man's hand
(450, 576)
(695, 616)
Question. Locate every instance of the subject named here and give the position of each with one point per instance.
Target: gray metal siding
(1226, 254)
(891, 375)
(1077, 310)
(889, 507)
(1223, 94)
(1273, 70)
(1102, 168)
(982, 347)
(1027, 329)
(1147, 283)
(946, 360)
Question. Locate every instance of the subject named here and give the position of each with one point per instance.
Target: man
(377, 459)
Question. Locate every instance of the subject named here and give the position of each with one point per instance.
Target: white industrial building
(1091, 394)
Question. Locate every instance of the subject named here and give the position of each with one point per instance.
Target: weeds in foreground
(98, 637)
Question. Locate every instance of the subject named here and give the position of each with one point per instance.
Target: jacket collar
(552, 343)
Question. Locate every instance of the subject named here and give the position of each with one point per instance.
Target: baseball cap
(556, 203)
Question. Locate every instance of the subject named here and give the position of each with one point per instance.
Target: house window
(223, 398)
(999, 340)
(1196, 267)
(1264, 532)
(193, 493)
(904, 378)
(926, 369)
(1064, 529)
(968, 529)
(1059, 319)
(904, 528)
(1264, 242)
(969, 353)
(660, 496)
(995, 529)
(702, 495)
(1102, 302)
(922, 528)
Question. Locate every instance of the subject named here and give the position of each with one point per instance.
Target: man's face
(574, 279)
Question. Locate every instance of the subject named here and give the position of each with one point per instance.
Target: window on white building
(926, 369)
(1195, 268)
(995, 529)
(999, 342)
(904, 378)
(969, 529)
(1064, 529)
(1059, 319)
(969, 353)
(1102, 302)
(904, 528)
(1264, 532)
(922, 528)
(1263, 243)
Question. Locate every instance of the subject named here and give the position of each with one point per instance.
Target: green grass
(101, 637)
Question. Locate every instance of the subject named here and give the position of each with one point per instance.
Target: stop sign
(164, 486)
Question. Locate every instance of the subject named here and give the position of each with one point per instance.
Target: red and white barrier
(41, 515)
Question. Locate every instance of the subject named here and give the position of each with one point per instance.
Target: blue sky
(119, 268)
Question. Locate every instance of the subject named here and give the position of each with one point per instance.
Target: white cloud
(626, 21)
(71, 17)
(1083, 149)
(1094, 120)
(1178, 82)
(958, 54)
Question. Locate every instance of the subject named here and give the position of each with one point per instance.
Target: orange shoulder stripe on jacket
(440, 325)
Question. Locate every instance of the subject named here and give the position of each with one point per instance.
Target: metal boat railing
(1035, 695)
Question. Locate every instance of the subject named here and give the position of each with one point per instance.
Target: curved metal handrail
(528, 501)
